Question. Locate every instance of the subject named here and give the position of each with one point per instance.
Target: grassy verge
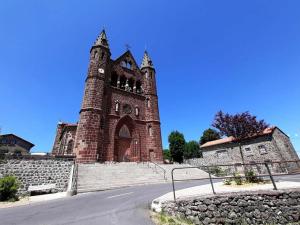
(163, 219)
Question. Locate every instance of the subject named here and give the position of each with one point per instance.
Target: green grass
(163, 219)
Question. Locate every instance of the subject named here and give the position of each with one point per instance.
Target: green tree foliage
(192, 150)
(167, 155)
(209, 135)
(176, 146)
(8, 188)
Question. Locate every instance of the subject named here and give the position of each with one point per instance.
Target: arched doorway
(125, 147)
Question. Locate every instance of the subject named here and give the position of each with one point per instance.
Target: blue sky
(209, 55)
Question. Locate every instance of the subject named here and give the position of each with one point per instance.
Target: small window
(248, 151)
(262, 149)
(150, 131)
(137, 111)
(222, 153)
(148, 102)
(117, 106)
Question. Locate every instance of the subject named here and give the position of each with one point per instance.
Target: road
(126, 206)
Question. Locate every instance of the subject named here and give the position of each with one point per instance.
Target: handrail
(211, 178)
(158, 166)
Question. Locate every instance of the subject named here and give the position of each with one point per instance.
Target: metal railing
(271, 170)
(157, 166)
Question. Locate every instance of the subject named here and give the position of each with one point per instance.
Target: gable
(127, 62)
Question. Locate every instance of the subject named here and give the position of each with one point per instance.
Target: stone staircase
(183, 174)
(97, 177)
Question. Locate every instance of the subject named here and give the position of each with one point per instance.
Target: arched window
(122, 82)
(131, 83)
(129, 65)
(123, 64)
(137, 111)
(114, 79)
(148, 102)
(102, 55)
(124, 132)
(95, 55)
(138, 87)
(150, 131)
(70, 147)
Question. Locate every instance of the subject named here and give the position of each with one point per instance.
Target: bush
(8, 188)
(238, 179)
(227, 181)
(217, 171)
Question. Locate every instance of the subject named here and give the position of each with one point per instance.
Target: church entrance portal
(126, 149)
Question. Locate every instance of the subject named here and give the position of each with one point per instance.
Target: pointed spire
(147, 62)
(102, 40)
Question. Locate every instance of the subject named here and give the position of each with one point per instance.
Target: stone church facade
(119, 117)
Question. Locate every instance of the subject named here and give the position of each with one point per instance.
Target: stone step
(93, 177)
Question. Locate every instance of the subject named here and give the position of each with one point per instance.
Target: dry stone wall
(32, 172)
(268, 207)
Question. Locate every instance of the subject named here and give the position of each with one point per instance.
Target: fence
(259, 170)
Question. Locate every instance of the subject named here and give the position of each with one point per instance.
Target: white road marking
(115, 196)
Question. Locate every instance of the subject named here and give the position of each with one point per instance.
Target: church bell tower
(89, 135)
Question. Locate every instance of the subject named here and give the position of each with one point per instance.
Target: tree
(176, 146)
(209, 135)
(240, 126)
(167, 155)
(192, 150)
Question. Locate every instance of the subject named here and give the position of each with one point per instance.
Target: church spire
(147, 62)
(102, 40)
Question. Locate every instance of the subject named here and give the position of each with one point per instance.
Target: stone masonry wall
(271, 207)
(32, 172)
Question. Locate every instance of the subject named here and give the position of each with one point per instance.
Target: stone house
(11, 144)
(119, 116)
(272, 145)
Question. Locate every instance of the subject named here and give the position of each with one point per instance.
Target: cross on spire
(128, 47)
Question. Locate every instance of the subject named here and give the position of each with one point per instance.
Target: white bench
(41, 187)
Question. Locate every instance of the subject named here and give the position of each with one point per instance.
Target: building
(11, 144)
(119, 118)
(272, 145)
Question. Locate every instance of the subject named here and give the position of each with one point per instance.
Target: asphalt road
(126, 206)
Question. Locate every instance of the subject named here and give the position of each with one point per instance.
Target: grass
(163, 219)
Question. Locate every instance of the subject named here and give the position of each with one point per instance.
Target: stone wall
(272, 207)
(40, 171)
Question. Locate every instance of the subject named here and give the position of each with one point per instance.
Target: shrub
(217, 171)
(227, 181)
(251, 177)
(238, 179)
(8, 188)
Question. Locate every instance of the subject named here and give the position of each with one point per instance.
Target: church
(119, 116)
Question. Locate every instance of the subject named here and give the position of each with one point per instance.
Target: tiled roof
(268, 130)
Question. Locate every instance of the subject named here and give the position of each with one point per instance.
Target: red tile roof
(267, 131)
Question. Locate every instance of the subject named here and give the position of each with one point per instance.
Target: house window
(262, 149)
(248, 151)
(222, 153)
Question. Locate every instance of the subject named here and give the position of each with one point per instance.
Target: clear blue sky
(209, 55)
